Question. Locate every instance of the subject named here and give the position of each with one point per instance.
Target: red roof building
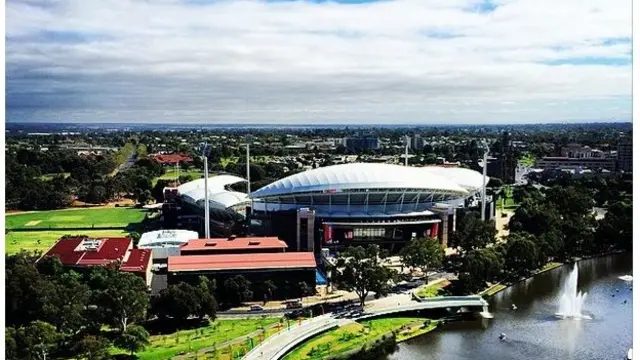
(238, 262)
(248, 245)
(138, 261)
(172, 159)
(82, 251)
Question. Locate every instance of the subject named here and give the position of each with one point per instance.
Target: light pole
(205, 153)
(484, 180)
(407, 141)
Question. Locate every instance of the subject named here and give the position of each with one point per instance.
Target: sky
(318, 62)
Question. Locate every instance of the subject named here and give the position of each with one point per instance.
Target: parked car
(256, 308)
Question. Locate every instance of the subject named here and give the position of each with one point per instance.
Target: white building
(164, 243)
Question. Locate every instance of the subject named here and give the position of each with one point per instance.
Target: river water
(533, 332)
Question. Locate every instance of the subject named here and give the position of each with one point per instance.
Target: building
(81, 252)
(593, 163)
(283, 269)
(363, 203)
(361, 143)
(625, 155)
(233, 245)
(164, 243)
(172, 159)
(576, 151)
(227, 208)
(418, 143)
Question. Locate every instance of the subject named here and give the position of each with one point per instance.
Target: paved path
(275, 347)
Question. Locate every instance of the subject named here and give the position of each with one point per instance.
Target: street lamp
(205, 153)
(484, 179)
(407, 142)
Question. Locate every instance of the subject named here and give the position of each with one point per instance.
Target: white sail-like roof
(216, 183)
(360, 176)
(467, 178)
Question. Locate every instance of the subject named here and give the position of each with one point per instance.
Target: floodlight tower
(205, 153)
(407, 142)
(484, 179)
(247, 140)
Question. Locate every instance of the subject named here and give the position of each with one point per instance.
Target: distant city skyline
(294, 62)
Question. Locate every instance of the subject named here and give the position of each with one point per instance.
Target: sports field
(42, 240)
(75, 218)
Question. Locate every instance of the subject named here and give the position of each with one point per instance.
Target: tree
(134, 339)
(616, 228)
(303, 289)
(176, 301)
(135, 237)
(92, 347)
(424, 254)
(205, 291)
(522, 253)
(481, 266)
(360, 270)
(473, 233)
(123, 299)
(237, 290)
(268, 288)
(10, 344)
(38, 340)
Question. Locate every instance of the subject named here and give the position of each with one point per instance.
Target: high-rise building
(625, 155)
(417, 143)
(358, 143)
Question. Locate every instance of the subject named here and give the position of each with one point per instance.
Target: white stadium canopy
(215, 184)
(343, 177)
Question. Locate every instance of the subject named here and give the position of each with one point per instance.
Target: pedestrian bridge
(441, 302)
(277, 346)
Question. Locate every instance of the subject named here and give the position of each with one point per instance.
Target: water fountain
(572, 300)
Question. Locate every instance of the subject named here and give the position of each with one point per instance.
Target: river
(533, 332)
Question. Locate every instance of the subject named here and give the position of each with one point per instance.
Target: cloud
(402, 61)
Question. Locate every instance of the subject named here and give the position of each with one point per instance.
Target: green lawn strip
(350, 337)
(48, 177)
(494, 289)
(548, 266)
(75, 218)
(416, 330)
(188, 341)
(431, 290)
(28, 240)
(171, 173)
(226, 161)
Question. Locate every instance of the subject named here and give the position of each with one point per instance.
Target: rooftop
(82, 251)
(172, 158)
(267, 261)
(139, 260)
(225, 244)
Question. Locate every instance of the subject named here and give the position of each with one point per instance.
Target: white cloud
(251, 61)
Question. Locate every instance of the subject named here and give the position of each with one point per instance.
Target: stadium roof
(216, 183)
(223, 198)
(466, 178)
(166, 238)
(138, 260)
(82, 251)
(267, 261)
(336, 178)
(234, 244)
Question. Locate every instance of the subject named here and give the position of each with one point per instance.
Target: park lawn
(190, 341)
(349, 337)
(432, 290)
(227, 160)
(28, 240)
(47, 177)
(548, 266)
(528, 160)
(171, 173)
(75, 218)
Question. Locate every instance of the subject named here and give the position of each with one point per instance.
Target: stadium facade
(363, 203)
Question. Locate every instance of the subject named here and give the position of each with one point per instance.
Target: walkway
(275, 347)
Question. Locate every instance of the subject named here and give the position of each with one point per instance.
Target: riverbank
(351, 339)
(496, 288)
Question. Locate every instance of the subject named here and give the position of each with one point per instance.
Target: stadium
(361, 203)
(184, 205)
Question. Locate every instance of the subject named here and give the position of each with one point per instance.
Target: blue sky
(349, 61)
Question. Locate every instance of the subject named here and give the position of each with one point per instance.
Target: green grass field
(75, 218)
(355, 335)
(171, 174)
(42, 240)
(214, 335)
(432, 290)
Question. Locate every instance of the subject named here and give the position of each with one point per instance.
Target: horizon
(345, 62)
